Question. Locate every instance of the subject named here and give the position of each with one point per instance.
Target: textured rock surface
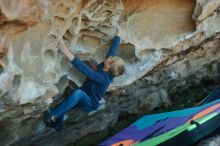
(167, 45)
(213, 141)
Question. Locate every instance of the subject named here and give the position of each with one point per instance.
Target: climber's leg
(78, 98)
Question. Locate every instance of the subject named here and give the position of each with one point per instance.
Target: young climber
(87, 97)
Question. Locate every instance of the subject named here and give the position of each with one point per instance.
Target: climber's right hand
(62, 47)
(118, 29)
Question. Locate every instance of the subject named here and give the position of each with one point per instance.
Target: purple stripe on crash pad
(216, 111)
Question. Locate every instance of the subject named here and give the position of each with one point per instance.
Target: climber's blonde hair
(117, 66)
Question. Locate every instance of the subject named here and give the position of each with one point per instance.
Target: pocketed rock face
(166, 44)
(213, 141)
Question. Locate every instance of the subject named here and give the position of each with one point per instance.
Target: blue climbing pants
(78, 98)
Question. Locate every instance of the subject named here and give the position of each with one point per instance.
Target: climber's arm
(65, 51)
(81, 66)
(113, 51)
(88, 72)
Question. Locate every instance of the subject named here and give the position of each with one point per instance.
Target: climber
(88, 96)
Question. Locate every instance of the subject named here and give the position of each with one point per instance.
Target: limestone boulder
(167, 45)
